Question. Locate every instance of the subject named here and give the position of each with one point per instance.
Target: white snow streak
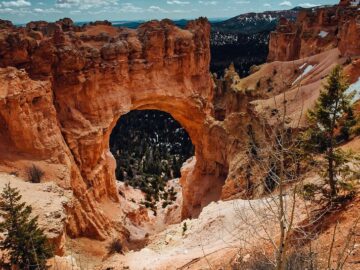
(323, 34)
(306, 71)
(355, 87)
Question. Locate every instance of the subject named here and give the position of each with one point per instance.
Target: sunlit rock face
(78, 81)
(317, 30)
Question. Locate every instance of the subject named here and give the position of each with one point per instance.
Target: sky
(22, 11)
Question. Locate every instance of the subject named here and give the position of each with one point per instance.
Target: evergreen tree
(25, 245)
(347, 125)
(325, 122)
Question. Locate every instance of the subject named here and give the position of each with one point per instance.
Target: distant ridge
(250, 23)
(135, 24)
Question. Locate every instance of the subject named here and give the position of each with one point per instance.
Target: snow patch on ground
(323, 34)
(302, 66)
(305, 72)
(354, 87)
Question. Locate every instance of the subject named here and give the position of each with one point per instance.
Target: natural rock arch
(188, 102)
(86, 78)
(203, 175)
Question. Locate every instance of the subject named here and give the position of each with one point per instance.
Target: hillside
(251, 23)
(243, 40)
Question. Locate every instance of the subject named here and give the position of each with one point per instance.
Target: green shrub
(25, 244)
(184, 228)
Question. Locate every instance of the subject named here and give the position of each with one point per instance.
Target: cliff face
(316, 31)
(64, 88)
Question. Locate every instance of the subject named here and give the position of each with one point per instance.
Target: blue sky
(21, 11)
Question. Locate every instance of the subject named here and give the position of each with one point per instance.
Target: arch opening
(150, 147)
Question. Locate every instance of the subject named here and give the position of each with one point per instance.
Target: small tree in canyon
(274, 167)
(330, 123)
(25, 245)
(277, 162)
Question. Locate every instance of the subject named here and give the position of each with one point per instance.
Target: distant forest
(242, 50)
(149, 143)
(150, 148)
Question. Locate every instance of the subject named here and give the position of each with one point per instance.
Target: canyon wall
(73, 84)
(317, 30)
(64, 87)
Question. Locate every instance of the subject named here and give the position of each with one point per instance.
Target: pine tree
(347, 125)
(325, 121)
(25, 245)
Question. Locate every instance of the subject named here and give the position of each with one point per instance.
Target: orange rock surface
(64, 88)
(315, 31)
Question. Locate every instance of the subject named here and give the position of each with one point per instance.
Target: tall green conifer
(25, 245)
(332, 107)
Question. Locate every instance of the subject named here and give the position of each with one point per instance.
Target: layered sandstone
(64, 88)
(317, 30)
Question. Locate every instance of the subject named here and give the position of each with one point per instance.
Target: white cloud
(16, 11)
(129, 7)
(6, 10)
(157, 9)
(63, 5)
(242, 2)
(286, 3)
(307, 5)
(267, 5)
(17, 3)
(179, 11)
(207, 3)
(85, 4)
(177, 2)
(46, 10)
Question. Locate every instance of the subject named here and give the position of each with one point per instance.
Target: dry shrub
(35, 174)
(297, 260)
(115, 246)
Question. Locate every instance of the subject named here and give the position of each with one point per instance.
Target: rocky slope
(227, 235)
(300, 78)
(317, 30)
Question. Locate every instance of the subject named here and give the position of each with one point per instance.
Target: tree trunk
(332, 183)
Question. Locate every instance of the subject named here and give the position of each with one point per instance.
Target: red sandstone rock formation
(63, 88)
(315, 31)
(68, 86)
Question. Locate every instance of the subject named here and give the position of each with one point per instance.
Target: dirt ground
(225, 231)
